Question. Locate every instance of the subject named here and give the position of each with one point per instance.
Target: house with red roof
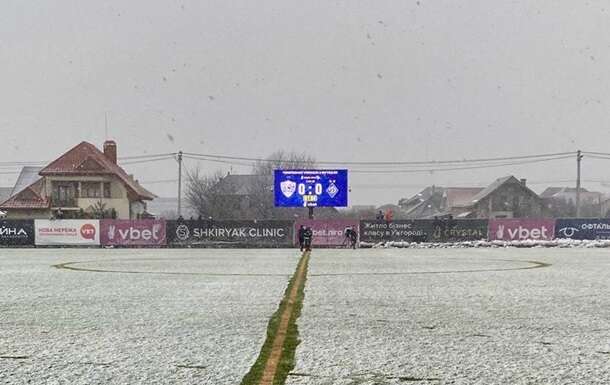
(85, 182)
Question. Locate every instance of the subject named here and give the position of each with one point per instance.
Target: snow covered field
(78, 327)
(370, 316)
(385, 317)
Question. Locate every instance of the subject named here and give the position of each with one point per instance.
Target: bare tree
(261, 192)
(202, 195)
(283, 160)
(215, 195)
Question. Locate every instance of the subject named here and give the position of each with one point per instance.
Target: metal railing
(64, 202)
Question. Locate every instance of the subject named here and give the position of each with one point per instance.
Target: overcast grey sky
(342, 80)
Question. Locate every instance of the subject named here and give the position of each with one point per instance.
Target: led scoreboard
(310, 188)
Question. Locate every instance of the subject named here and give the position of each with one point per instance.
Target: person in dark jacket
(307, 238)
(351, 237)
(301, 236)
(379, 216)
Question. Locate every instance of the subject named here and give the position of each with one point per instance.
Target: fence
(327, 232)
(230, 233)
(267, 234)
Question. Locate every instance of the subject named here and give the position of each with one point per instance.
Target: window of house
(107, 193)
(64, 191)
(90, 190)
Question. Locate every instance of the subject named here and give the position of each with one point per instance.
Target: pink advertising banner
(327, 232)
(521, 229)
(146, 232)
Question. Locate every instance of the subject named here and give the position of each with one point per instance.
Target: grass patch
(287, 360)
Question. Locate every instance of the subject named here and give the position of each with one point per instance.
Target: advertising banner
(458, 230)
(374, 231)
(16, 232)
(230, 233)
(589, 228)
(310, 188)
(521, 229)
(66, 232)
(132, 233)
(327, 232)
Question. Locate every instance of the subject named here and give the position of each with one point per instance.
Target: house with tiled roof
(436, 201)
(506, 197)
(83, 182)
(561, 201)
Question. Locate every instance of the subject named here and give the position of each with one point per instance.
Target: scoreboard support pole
(310, 212)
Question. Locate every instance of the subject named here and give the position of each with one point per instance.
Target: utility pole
(179, 183)
(578, 160)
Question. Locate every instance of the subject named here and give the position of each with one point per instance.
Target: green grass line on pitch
(287, 359)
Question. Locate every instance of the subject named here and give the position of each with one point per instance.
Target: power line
(477, 167)
(15, 164)
(598, 157)
(232, 163)
(159, 181)
(530, 159)
(380, 163)
(249, 161)
(374, 186)
(146, 156)
(596, 153)
(42, 163)
(147, 160)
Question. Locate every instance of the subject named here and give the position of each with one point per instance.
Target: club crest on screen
(288, 188)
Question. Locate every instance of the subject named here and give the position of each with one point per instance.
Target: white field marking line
(71, 266)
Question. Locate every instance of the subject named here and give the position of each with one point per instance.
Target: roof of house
(456, 196)
(420, 197)
(493, 187)
(551, 192)
(86, 159)
(31, 197)
(27, 176)
(427, 203)
(5, 193)
(424, 204)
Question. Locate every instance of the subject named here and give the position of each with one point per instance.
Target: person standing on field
(346, 234)
(307, 238)
(351, 237)
(301, 236)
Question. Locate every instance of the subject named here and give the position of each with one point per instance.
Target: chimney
(110, 150)
(523, 181)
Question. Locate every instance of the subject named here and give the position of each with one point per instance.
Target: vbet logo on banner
(135, 233)
(521, 229)
(310, 188)
(67, 232)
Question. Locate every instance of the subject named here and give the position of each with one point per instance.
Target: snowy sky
(342, 80)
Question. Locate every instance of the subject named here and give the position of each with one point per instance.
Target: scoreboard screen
(310, 188)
